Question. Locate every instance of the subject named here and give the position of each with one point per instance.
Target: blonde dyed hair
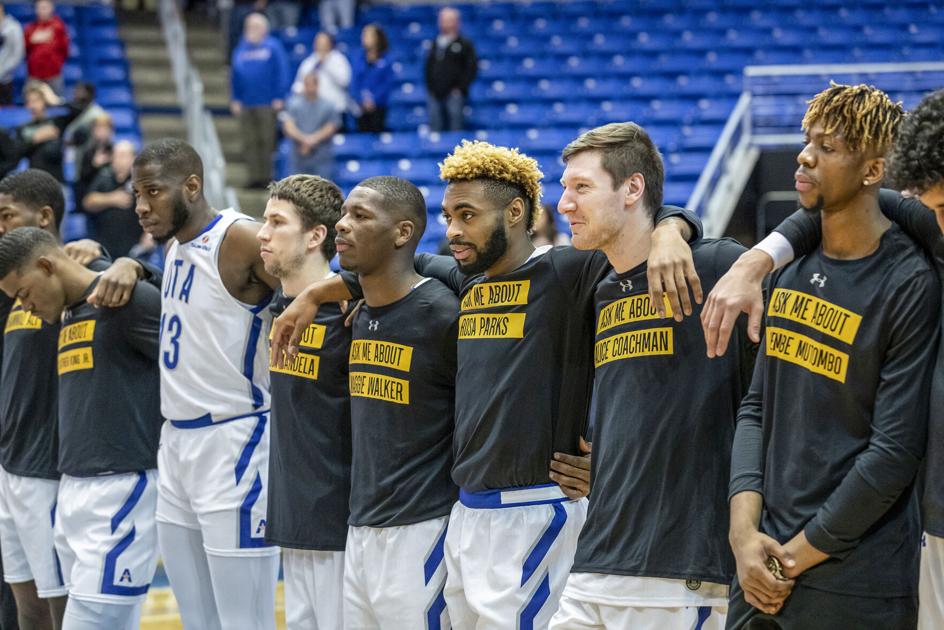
(864, 116)
(477, 160)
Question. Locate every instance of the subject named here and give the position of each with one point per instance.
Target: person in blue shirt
(260, 79)
(372, 81)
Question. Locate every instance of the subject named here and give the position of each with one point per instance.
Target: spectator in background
(77, 134)
(334, 72)
(372, 80)
(110, 204)
(47, 46)
(545, 231)
(96, 156)
(40, 138)
(233, 13)
(11, 54)
(450, 69)
(311, 121)
(336, 14)
(260, 79)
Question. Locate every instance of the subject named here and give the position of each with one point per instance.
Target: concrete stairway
(156, 95)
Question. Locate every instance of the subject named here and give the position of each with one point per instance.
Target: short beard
(815, 208)
(282, 271)
(494, 249)
(181, 215)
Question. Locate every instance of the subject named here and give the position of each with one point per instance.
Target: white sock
(186, 564)
(85, 615)
(244, 588)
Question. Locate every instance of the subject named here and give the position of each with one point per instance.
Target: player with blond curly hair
(525, 368)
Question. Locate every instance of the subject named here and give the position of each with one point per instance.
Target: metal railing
(769, 113)
(201, 132)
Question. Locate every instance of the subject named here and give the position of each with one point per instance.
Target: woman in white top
(333, 68)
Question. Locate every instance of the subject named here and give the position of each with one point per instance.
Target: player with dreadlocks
(916, 165)
(830, 436)
(525, 370)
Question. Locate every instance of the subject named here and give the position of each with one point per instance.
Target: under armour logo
(125, 576)
(626, 285)
(819, 280)
(373, 324)
(260, 528)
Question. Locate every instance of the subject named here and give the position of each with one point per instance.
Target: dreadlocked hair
(863, 115)
(507, 172)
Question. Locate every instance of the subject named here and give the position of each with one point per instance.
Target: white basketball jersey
(214, 355)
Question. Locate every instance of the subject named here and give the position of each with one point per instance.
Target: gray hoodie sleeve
(12, 51)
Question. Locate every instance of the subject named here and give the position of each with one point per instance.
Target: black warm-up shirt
(663, 422)
(805, 232)
(109, 385)
(402, 370)
(525, 357)
(29, 421)
(310, 459)
(834, 425)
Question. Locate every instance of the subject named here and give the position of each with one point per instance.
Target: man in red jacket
(47, 46)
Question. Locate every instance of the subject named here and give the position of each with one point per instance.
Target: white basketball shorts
(394, 577)
(106, 536)
(930, 586)
(314, 582)
(27, 513)
(595, 600)
(508, 555)
(213, 479)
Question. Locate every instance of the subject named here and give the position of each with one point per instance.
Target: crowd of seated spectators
(60, 131)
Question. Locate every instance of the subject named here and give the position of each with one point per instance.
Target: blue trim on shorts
(243, 462)
(111, 558)
(534, 605)
(434, 614)
(435, 557)
(130, 502)
(491, 499)
(533, 561)
(703, 613)
(206, 420)
(246, 539)
(55, 553)
(249, 359)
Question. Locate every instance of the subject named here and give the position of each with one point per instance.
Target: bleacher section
(550, 69)
(96, 55)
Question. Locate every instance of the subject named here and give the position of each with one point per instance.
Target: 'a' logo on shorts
(260, 529)
(125, 577)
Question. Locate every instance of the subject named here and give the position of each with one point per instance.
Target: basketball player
(310, 465)
(522, 387)
(917, 166)
(214, 394)
(29, 479)
(653, 552)
(830, 436)
(402, 383)
(109, 425)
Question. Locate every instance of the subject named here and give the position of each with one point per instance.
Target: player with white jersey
(214, 395)
(310, 462)
(109, 425)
